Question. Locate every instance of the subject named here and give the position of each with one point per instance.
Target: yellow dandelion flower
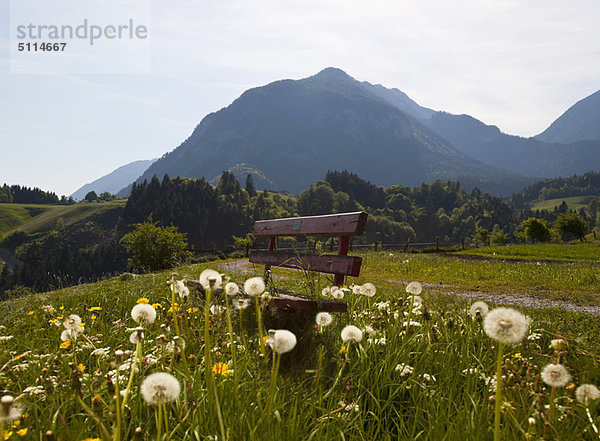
(517, 355)
(96, 400)
(93, 317)
(142, 300)
(65, 344)
(22, 432)
(17, 357)
(61, 307)
(95, 308)
(81, 367)
(31, 312)
(52, 321)
(220, 369)
(157, 305)
(81, 325)
(16, 424)
(50, 310)
(91, 439)
(571, 386)
(192, 310)
(342, 350)
(7, 435)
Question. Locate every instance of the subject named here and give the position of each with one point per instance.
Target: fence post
(437, 243)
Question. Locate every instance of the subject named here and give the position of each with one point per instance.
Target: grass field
(575, 252)
(574, 203)
(35, 218)
(429, 380)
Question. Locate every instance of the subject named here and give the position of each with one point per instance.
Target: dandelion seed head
(368, 290)
(159, 388)
(480, 308)
(136, 336)
(505, 325)
(323, 319)
(587, 393)
(241, 303)
(181, 289)
(351, 334)
(556, 375)
(9, 411)
(414, 288)
(254, 286)
(232, 289)
(210, 279)
(338, 294)
(72, 322)
(325, 291)
(143, 313)
(559, 344)
(281, 340)
(216, 309)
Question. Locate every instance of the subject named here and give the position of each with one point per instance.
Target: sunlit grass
(444, 394)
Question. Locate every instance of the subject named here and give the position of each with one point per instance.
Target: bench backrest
(344, 225)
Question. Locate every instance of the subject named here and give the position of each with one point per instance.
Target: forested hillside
(584, 185)
(210, 216)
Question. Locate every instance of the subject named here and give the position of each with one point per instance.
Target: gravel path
(243, 267)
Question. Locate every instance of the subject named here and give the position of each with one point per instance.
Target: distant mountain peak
(333, 73)
(581, 122)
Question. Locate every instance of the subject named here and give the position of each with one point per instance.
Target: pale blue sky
(516, 64)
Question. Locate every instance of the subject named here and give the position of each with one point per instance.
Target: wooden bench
(344, 225)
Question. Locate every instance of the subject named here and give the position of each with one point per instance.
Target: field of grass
(573, 252)
(35, 218)
(431, 380)
(574, 203)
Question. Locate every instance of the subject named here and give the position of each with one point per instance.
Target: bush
(154, 248)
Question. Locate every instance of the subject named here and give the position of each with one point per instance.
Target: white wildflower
(143, 313)
(368, 290)
(72, 322)
(281, 340)
(254, 286)
(338, 294)
(323, 319)
(586, 393)
(479, 308)
(351, 334)
(101, 352)
(160, 388)
(369, 330)
(505, 325)
(232, 289)
(9, 411)
(556, 375)
(414, 288)
(241, 303)
(404, 369)
(180, 289)
(210, 279)
(216, 309)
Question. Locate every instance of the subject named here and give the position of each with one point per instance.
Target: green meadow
(35, 218)
(424, 368)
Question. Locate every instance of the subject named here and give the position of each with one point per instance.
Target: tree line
(210, 217)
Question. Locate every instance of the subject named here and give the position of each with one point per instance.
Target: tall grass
(430, 382)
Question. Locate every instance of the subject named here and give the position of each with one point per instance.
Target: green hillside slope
(37, 218)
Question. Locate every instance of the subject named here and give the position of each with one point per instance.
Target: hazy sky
(515, 64)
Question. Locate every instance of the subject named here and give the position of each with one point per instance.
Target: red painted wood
(272, 243)
(327, 263)
(342, 224)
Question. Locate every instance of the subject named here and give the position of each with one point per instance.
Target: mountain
(581, 122)
(524, 156)
(116, 180)
(291, 132)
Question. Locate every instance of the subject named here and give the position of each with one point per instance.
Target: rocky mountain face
(293, 132)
